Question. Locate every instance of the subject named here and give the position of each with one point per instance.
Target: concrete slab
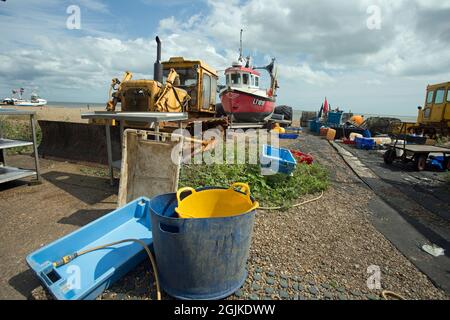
(405, 213)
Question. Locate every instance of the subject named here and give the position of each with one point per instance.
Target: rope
(294, 206)
(385, 294)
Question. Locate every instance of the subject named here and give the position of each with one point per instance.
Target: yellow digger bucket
(215, 203)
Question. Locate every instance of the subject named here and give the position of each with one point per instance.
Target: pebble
(372, 297)
(325, 286)
(269, 290)
(255, 286)
(254, 297)
(313, 290)
(284, 294)
(328, 295)
(356, 293)
(342, 296)
(239, 293)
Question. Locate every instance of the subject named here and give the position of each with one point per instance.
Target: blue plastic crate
(288, 136)
(278, 160)
(315, 125)
(334, 118)
(365, 143)
(87, 276)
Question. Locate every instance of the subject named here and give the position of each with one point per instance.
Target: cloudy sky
(370, 56)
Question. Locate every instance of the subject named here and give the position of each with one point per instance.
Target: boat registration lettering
(258, 102)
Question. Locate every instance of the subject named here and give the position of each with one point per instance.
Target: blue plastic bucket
(199, 258)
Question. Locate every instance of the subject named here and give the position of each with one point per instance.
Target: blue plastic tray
(278, 158)
(87, 276)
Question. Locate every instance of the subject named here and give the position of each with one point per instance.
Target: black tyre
(286, 111)
(389, 156)
(420, 162)
(220, 112)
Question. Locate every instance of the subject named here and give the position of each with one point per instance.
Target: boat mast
(241, 58)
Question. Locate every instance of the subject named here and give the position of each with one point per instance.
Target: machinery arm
(163, 97)
(114, 88)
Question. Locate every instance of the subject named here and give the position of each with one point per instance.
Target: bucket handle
(182, 190)
(243, 187)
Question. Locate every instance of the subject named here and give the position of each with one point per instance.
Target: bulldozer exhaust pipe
(157, 68)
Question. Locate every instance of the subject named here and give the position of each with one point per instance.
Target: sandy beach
(59, 113)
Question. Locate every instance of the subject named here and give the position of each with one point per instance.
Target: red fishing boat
(242, 98)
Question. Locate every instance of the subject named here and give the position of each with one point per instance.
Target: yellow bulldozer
(434, 117)
(178, 85)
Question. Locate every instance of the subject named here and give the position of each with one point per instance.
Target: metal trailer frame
(414, 153)
(152, 118)
(11, 173)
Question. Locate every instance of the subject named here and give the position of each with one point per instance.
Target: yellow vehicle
(198, 79)
(435, 115)
(148, 95)
(178, 85)
(434, 118)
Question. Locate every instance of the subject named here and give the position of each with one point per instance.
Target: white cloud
(323, 47)
(304, 72)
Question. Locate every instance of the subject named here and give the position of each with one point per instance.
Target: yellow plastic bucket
(215, 203)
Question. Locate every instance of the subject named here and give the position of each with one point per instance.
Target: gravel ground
(318, 251)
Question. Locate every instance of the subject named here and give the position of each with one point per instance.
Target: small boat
(35, 100)
(242, 98)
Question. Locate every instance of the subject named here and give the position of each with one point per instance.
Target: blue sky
(323, 47)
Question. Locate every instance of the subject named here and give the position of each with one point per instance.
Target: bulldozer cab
(198, 79)
(437, 105)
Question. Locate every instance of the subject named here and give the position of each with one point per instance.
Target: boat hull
(25, 103)
(30, 104)
(247, 107)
